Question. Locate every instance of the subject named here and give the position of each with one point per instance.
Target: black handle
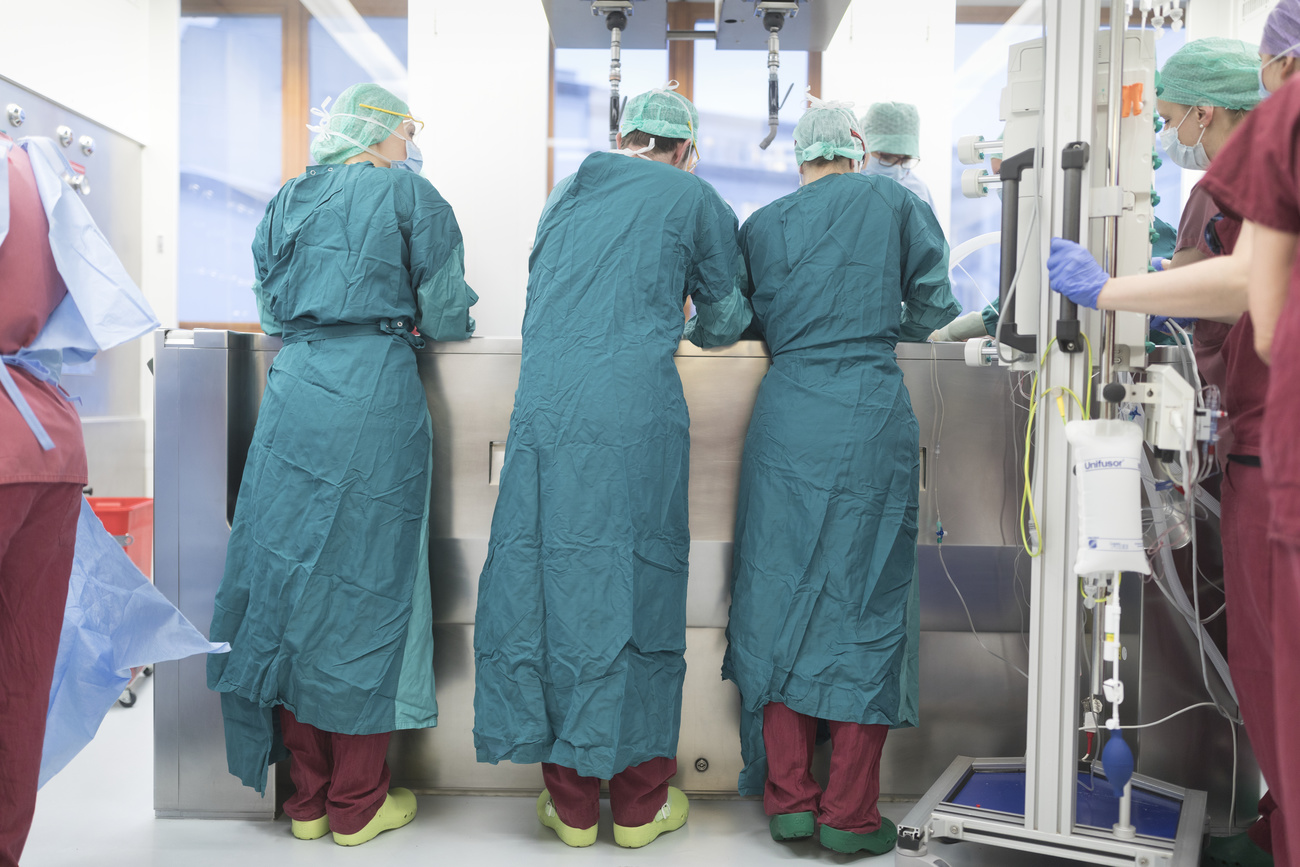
(1074, 159)
(1011, 171)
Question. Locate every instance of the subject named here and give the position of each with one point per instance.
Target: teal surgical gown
(325, 597)
(581, 624)
(824, 601)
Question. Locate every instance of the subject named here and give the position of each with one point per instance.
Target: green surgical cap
(1214, 71)
(348, 118)
(893, 128)
(827, 130)
(662, 112)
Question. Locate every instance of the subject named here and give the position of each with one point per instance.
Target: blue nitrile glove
(1158, 263)
(1159, 323)
(1074, 273)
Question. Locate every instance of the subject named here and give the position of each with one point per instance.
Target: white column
(901, 53)
(479, 78)
(1234, 19)
(160, 179)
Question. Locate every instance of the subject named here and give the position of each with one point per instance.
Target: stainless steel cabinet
(209, 388)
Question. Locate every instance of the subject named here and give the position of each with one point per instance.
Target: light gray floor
(99, 811)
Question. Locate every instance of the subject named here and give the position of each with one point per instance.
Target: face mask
(1264, 92)
(874, 166)
(1186, 156)
(414, 161)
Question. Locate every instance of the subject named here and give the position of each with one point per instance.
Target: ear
(680, 152)
(1205, 115)
(1289, 65)
(619, 140)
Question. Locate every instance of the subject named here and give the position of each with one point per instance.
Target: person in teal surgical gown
(823, 615)
(581, 623)
(325, 600)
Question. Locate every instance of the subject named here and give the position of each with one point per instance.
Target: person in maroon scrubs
(1263, 647)
(40, 500)
(1261, 183)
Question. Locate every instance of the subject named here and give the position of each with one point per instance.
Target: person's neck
(367, 158)
(816, 174)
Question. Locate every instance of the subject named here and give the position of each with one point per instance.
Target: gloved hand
(1160, 323)
(1075, 274)
(1159, 263)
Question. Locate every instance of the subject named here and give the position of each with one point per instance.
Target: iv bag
(1107, 456)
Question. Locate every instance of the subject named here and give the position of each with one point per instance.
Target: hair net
(663, 112)
(1282, 29)
(362, 125)
(1214, 71)
(893, 128)
(827, 130)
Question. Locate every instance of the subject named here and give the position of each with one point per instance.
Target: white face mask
(1185, 156)
(414, 161)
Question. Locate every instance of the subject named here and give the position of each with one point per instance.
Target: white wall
(901, 52)
(1233, 19)
(479, 77)
(90, 55)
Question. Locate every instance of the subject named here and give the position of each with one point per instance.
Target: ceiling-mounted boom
(616, 21)
(774, 13)
(616, 13)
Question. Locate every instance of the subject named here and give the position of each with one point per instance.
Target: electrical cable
(1159, 721)
(936, 436)
(971, 620)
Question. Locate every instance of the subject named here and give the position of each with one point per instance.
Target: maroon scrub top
(1256, 177)
(30, 289)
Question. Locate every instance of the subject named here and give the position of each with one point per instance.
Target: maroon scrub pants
(344, 777)
(1286, 619)
(635, 794)
(853, 788)
(38, 534)
(1251, 595)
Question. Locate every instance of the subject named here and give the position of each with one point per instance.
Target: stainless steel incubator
(209, 387)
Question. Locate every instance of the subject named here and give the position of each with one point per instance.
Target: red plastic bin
(130, 520)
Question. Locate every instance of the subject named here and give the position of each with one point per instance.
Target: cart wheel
(148, 671)
(127, 699)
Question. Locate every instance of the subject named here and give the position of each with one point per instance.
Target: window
(250, 72)
(582, 99)
(230, 159)
(731, 94)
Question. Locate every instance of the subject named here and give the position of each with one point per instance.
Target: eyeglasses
(898, 160)
(695, 149)
(413, 132)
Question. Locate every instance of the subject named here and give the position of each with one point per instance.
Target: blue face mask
(414, 161)
(873, 166)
